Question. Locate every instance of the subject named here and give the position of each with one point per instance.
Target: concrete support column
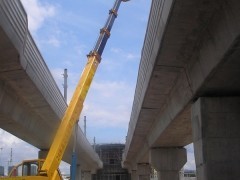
(216, 137)
(42, 154)
(134, 175)
(78, 173)
(168, 162)
(87, 175)
(143, 171)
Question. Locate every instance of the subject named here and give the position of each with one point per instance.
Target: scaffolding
(111, 156)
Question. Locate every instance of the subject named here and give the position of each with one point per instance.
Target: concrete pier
(143, 171)
(168, 162)
(134, 175)
(42, 154)
(216, 137)
(87, 175)
(78, 172)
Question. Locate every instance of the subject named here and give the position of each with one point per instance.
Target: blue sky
(65, 32)
(70, 32)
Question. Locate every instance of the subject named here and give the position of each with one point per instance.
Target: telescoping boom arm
(105, 31)
(75, 107)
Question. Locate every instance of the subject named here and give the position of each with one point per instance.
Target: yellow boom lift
(48, 169)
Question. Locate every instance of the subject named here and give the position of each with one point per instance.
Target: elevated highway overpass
(187, 91)
(31, 105)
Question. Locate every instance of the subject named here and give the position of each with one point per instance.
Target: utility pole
(0, 153)
(94, 143)
(65, 86)
(85, 126)
(74, 154)
(73, 168)
(10, 162)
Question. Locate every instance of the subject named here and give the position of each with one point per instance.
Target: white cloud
(108, 88)
(20, 150)
(53, 41)
(8, 141)
(67, 63)
(116, 50)
(80, 49)
(114, 116)
(52, 38)
(132, 56)
(110, 64)
(37, 13)
(109, 104)
(72, 79)
(57, 74)
(190, 157)
(125, 55)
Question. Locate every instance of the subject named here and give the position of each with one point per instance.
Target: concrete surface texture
(168, 162)
(87, 175)
(31, 105)
(143, 171)
(191, 50)
(216, 137)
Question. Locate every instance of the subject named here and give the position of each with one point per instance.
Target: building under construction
(111, 156)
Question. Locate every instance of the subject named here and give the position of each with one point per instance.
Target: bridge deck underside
(191, 49)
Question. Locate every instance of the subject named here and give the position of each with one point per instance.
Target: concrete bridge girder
(190, 50)
(31, 103)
